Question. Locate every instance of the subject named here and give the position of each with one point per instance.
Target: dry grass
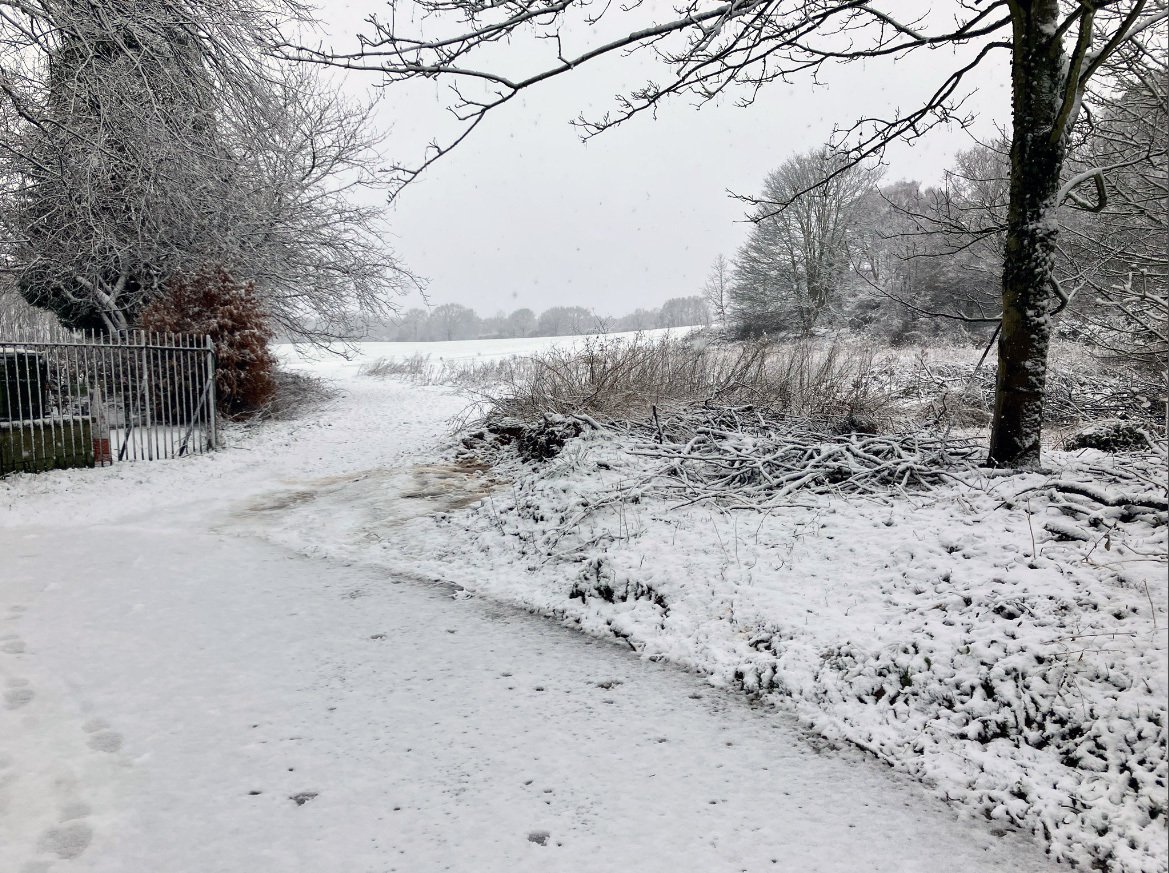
(296, 395)
(416, 368)
(421, 370)
(624, 379)
(837, 384)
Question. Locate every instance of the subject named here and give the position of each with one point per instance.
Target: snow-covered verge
(1008, 653)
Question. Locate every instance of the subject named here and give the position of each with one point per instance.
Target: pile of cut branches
(762, 464)
(1118, 504)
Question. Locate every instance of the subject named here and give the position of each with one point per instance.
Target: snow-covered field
(274, 658)
(342, 361)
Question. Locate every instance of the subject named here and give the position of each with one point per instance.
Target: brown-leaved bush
(216, 304)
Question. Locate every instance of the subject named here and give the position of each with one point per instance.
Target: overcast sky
(523, 214)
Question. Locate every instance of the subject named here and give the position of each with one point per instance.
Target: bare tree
(637, 320)
(1117, 257)
(521, 322)
(17, 314)
(314, 244)
(143, 143)
(789, 273)
(1055, 47)
(452, 321)
(685, 312)
(717, 290)
(1112, 257)
(937, 252)
(94, 137)
(566, 321)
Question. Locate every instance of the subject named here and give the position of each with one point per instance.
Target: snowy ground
(1018, 673)
(190, 649)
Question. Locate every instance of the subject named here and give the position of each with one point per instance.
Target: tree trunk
(1037, 154)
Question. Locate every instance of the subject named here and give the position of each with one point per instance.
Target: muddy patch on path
(283, 500)
(365, 505)
(450, 486)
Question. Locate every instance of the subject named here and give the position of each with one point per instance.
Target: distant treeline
(454, 322)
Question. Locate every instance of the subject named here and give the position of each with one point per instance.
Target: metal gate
(80, 399)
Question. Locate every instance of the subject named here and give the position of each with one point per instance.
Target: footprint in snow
(18, 694)
(11, 644)
(106, 741)
(102, 739)
(69, 838)
(66, 841)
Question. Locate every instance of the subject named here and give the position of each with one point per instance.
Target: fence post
(99, 427)
(144, 381)
(212, 437)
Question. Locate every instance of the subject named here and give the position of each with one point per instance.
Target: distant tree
(452, 322)
(928, 260)
(967, 219)
(494, 326)
(521, 323)
(410, 326)
(638, 319)
(684, 312)
(717, 290)
(565, 321)
(1117, 257)
(789, 273)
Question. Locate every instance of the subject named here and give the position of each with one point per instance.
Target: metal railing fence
(84, 398)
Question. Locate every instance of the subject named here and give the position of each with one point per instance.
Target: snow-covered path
(180, 696)
(169, 719)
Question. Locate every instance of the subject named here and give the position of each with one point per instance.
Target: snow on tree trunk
(1037, 153)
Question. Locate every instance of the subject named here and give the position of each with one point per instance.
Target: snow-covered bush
(1110, 435)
